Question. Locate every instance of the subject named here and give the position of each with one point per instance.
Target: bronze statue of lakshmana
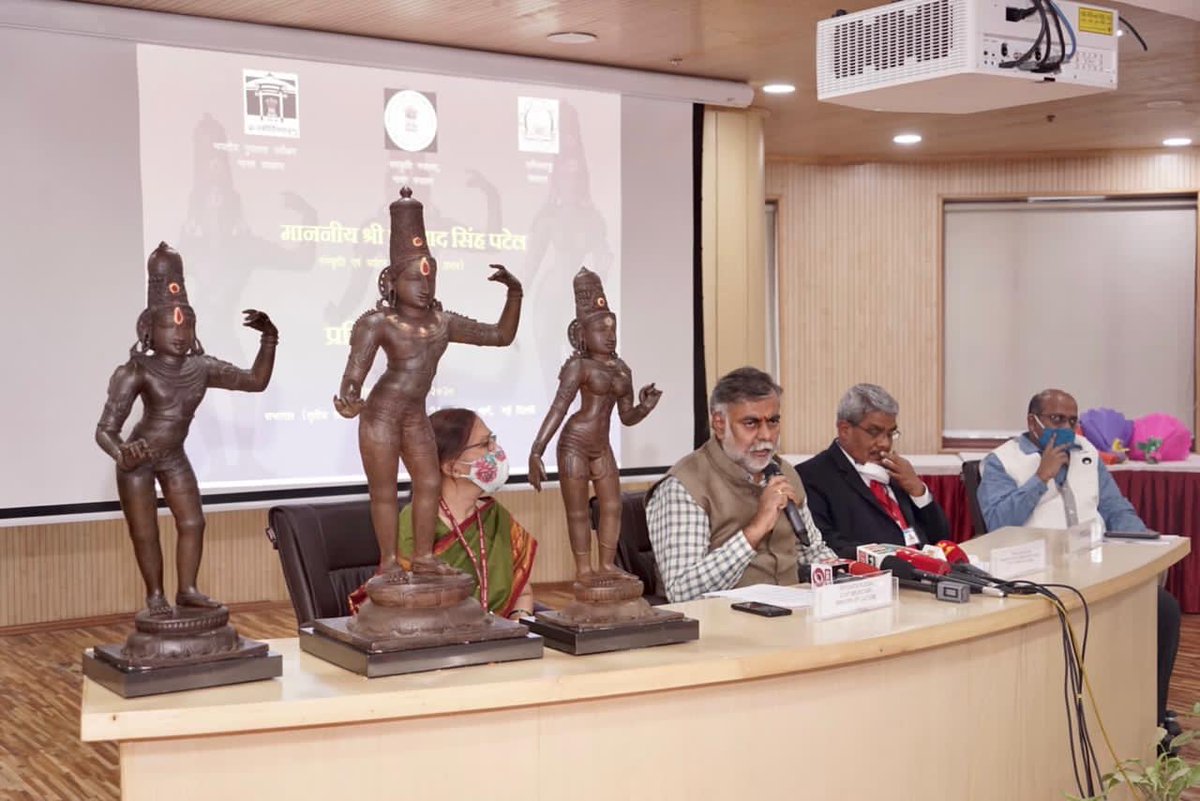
(170, 372)
(413, 330)
(602, 380)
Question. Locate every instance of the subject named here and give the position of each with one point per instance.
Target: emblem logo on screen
(537, 124)
(410, 121)
(272, 103)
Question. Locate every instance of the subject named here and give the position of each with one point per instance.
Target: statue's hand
(259, 321)
(537, 472)
(504, 276)
(133, 453)
(348, 407)
(648, 396)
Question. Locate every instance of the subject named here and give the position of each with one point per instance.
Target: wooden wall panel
(732, 250)
(860, 271)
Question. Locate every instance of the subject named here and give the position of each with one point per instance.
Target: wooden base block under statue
(188, 650)
(414, 623)
(610, 614)
(374, 664)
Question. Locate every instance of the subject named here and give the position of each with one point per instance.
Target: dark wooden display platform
(105, 665)
(665, 628)
(373, 664)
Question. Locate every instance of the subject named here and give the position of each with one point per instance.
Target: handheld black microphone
(792, 512)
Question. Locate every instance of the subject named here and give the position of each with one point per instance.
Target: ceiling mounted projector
(962, 56)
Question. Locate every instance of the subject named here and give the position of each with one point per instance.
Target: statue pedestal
(330, 640)
(107, 666)
(418, 622)
(660, 627)
(610, 614)
(185, 648)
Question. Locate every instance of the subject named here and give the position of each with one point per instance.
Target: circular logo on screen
(410, 120)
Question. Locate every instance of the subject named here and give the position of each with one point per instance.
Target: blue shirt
(1003, 503)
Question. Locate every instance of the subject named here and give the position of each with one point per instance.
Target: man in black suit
(860, 490)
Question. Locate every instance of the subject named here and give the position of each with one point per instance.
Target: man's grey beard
(743, 459)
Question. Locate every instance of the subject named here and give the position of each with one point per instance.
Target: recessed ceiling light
(779, 88)
(572, 37)
(1177, 141)
(906, 138)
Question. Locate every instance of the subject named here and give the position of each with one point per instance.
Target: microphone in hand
(790, 510)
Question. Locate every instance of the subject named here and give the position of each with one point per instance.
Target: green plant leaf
(1183, 739)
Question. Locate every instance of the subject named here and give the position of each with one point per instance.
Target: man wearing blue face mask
(1049, 478)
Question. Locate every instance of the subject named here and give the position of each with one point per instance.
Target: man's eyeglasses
(1058, 420)
(875, 433)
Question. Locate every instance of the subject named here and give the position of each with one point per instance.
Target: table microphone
(923, 562)
(940, 587)
(792, 512)
(960, 563)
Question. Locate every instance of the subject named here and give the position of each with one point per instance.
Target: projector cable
(1044, 33)
(1070, 29)
(1134, 31)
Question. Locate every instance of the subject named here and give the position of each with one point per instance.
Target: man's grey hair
(743, 384)
(862, 399)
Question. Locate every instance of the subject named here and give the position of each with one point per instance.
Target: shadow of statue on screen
(567, 231)
(224, 250)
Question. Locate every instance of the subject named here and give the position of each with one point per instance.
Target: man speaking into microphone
(720, 519)
(860, 490)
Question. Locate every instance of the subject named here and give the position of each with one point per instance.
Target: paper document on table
(789, 597)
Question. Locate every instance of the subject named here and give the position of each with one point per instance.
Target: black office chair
(327, 551)
(634, 553)
(970, 478)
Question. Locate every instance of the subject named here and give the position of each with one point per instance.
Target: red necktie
(879, 490)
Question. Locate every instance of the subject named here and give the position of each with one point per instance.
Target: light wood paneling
(860, 271)
(84, 570)
(732, 251)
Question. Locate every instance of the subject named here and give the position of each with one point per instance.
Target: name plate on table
(860, 594)
(1085, 536)
(1018, 560)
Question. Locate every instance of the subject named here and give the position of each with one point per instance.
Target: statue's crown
(164, 278)
(589, 295)
(408, 240)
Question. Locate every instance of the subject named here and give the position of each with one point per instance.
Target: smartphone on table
(758, 608)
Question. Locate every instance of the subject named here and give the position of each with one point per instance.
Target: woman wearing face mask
(474, 533)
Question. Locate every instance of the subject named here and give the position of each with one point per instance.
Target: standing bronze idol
(606, 597)
(432, 605)
(169, 371)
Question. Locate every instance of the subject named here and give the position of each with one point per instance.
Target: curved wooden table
(922, 700)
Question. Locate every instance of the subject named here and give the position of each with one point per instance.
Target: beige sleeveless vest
(730, 499)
